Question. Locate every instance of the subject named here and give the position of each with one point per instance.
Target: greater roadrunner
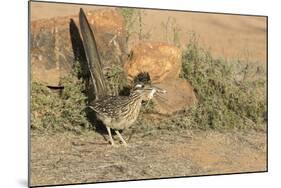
(115, 112)
(120, 112)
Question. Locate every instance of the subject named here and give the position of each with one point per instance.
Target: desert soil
(68, 158)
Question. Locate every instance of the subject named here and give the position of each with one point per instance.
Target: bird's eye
(139, 86)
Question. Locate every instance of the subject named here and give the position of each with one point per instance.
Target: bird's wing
(93, 58)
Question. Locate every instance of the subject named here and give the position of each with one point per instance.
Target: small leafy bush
(231, 94)
(60, 111)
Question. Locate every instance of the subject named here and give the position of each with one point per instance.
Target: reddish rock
(110, 33)
(179, 96)
(56, 43)
(160, 60)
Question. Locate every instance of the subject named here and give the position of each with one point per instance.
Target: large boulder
(110, 33)
(179, 96)
(56, 43)
(161, 60)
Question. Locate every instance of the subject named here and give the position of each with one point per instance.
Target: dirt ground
(66, 158)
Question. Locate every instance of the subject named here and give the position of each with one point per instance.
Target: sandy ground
(67, 158)
(227, 36)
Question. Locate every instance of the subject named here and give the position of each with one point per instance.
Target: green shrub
(231, 94)
(59, 111)
(116, 80)
(129, 15)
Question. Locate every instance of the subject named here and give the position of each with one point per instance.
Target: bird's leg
(147, 103)
(110, 137)
(119, 135)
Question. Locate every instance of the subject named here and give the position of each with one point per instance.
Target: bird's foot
(125, 144)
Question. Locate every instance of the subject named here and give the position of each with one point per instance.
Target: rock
(110, 33)
(56, 43)
(160, 60)
(179, 96)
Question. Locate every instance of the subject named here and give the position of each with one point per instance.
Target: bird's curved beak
(156, 91)
(159, 93)
(159, 90)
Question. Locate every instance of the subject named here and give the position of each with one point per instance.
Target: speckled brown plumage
(120, 112)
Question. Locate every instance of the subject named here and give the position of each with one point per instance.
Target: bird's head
(147, 91)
